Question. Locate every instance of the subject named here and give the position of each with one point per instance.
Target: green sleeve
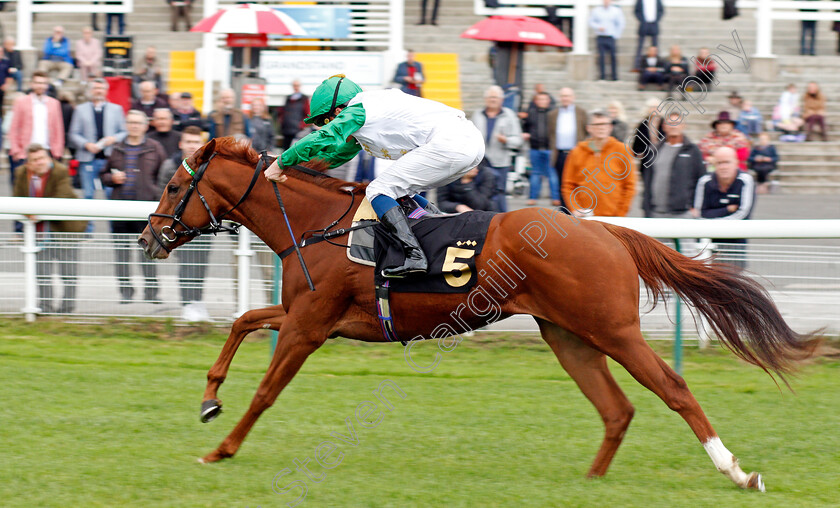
(331, 141)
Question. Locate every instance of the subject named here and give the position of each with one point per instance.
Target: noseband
(169, 233)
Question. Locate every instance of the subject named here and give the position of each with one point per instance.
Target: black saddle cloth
(451, 244)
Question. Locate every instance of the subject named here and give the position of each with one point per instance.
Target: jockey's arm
(333, 142)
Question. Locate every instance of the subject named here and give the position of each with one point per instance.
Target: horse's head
(191, 204)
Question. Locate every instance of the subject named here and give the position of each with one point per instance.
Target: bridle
(169, 233)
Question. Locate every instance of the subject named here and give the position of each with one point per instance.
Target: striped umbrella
(249, 19)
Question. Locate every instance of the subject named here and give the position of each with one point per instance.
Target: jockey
(431, 143)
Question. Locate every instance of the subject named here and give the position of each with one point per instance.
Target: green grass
(107, 415)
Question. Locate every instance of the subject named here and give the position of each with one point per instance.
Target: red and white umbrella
(522, 29)
(249, 19)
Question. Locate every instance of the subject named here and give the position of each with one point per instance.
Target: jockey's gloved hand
(273, 173)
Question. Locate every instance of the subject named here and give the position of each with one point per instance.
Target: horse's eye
(173, 189)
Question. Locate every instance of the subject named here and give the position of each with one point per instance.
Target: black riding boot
(415, 260)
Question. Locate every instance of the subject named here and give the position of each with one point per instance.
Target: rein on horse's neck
(309, 205)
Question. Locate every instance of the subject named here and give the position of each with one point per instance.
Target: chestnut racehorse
(579, 279)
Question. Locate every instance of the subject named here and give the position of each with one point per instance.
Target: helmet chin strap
(335, 99)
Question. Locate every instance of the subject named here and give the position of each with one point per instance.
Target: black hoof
(210, 409)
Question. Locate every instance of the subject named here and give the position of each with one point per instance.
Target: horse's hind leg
(294, 345)
(588, 367)
(628, 347)
(269, 317)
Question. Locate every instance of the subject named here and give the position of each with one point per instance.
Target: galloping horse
(579, 279)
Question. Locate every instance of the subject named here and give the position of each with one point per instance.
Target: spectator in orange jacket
(600, 175)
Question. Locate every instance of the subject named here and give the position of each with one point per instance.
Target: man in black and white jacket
(726, 194)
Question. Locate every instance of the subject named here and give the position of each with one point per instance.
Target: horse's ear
(204, 153)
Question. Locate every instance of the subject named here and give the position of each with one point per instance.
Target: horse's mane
(242, 150)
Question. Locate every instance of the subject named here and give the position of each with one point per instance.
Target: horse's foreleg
(293, 347)
(588, 368)
(629, 348)
(267, 318)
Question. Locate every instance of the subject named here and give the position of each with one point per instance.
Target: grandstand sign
(312, 67)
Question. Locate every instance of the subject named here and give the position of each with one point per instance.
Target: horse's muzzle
(151, 247)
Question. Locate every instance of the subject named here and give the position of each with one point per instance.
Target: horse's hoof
(210, 409)
(211, 457)
(755, 482)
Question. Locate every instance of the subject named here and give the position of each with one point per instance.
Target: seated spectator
(15, 60)
(132, 170)
(89, 55)
(588, 186)
(185, 113)
(763, 160)
(57, 55)
(536, 132)
(147, 69)
(263, 131)
(787, 117)
(813, 111)
(705, 68)
(226, 119)
(149, 100)
(619, 120)
(736, 103)
(724, 134)
(40, 177)
(653, 69)
(726, 194)
(750, 120)
(469, 193)
(676, 68)
(163, 133)
(180, 10)
(192, 257)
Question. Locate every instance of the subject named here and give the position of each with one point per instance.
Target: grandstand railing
(765, 12)
(803, 277)
(26, 8)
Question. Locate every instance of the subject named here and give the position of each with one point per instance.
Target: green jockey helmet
(333, 91)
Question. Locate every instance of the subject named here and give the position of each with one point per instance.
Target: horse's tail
(739, 309)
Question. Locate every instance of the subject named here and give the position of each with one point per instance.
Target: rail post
(243, 255)
(30, 280)
(275, 300)
(678, 325)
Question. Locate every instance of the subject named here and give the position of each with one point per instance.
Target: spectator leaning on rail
(192, 257)
(726, 194)
(468, 192)
(40, 177)
(431, 144)
(132, 170)
(602, 162)
(671, 179)
(227, 120)
(57, 55)
(36, 118)
(96, 126)
(502, 133)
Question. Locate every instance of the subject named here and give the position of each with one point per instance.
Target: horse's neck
(307, 206)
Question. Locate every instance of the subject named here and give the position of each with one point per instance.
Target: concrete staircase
(811, 167)
(442, 76)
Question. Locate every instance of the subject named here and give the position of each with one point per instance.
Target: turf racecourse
(107, 415)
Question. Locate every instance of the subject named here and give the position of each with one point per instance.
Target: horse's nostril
(142, 242)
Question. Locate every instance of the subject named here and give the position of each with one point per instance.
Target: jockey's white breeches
(449, 154)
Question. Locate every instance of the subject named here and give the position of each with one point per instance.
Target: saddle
(451, 243)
